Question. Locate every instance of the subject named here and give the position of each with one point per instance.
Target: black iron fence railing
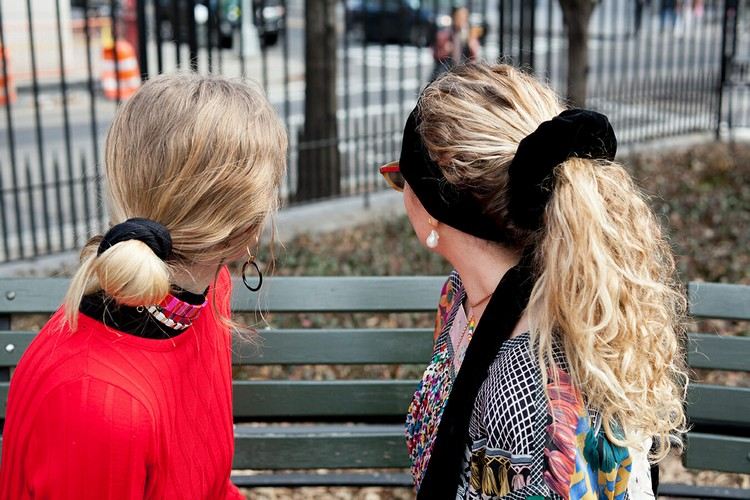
(65, 65)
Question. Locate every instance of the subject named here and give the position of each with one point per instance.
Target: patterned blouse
(515, 450)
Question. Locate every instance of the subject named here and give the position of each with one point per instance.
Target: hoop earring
(248, 262)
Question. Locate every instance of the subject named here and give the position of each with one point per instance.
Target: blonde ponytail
(606, 290)
(128, 272)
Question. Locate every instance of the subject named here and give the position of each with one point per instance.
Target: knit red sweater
(100, 414)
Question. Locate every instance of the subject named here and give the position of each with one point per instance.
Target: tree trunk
(576, 15)
(319, 163)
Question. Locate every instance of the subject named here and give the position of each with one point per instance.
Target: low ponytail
(128, 270)
(606, 290)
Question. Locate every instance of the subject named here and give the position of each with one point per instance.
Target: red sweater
(99, 414)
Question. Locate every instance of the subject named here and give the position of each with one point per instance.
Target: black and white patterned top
(515, 449)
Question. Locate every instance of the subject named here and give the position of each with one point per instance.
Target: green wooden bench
(314, 426)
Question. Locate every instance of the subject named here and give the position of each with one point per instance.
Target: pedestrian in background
(126, 393)
(456, 44)
(668, 13)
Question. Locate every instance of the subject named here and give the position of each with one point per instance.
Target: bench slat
(31, 295)
(303, 398)
(386, 346)
(297, 479)
(342, 294)
(718, 405)
(338, 398)
(719, 352)
(356, 346)
(719, 300)
(714, 452)
(282, 294)
(671, 490)
(382, 446)
(707, 404)
(348, 294)
(289, 347)
(320, 446)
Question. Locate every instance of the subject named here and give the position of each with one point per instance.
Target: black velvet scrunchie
(574, 132)
(150, 232)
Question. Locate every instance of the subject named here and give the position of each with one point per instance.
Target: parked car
(269, 19)
(227, 14)
(412, 22)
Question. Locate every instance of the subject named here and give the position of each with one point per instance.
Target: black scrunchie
(574, 132)
(150, 232)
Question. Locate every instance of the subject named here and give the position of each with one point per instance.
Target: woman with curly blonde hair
(557, 369)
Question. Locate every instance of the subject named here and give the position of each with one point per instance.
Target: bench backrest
(328, 403)
(721, 414)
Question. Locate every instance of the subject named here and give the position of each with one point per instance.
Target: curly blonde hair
(606, 289)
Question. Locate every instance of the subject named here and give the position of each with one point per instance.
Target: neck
(194, 279)
(481, 266)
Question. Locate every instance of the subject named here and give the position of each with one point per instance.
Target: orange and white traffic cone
(120, 80)
(6, 79)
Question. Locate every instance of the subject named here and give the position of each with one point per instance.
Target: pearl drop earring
(432, 239)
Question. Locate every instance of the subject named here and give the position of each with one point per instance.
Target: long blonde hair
(606, 288)
(202, 155)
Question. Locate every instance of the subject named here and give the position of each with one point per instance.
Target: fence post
(526, 34)
(143, 36)
(728, 46)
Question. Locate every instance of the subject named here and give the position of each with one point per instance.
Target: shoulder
(222, 290)
(92, 356)
(223, 284)
(56, 354)
(224, 278)
(515, 364)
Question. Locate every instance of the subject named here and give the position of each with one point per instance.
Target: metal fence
(655, 72)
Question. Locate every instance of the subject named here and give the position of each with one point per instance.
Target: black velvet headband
(575, 132)
(442, 200)
(150, 232)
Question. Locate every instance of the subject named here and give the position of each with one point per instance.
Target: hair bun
(150, 232)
